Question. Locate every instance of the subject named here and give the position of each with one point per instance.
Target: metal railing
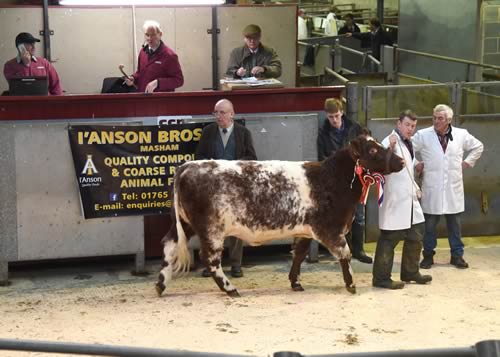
(366, 56)
(489, 348)
(455, 93)
(392, 53)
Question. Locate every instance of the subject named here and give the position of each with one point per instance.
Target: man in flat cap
(253, 59)
(25, 64)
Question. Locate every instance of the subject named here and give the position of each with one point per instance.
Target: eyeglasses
(219, 112)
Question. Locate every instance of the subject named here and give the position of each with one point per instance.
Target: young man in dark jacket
(336, 132)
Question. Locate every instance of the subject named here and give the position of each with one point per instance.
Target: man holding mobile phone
(25, 64)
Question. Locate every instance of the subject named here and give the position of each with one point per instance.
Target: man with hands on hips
(442, 148)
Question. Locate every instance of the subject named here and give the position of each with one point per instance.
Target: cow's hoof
(233, 293)
(351, 289)
(160, 288)
(297, 287)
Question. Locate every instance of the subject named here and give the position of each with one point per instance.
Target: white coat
(443, 186)
(400, 194)
(330, 25)
(301, 28)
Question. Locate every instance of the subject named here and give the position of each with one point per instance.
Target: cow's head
(372, 156)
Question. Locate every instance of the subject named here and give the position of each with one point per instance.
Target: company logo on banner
(87, 176)
(128, 170)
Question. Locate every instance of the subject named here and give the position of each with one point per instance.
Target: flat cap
(252, 31)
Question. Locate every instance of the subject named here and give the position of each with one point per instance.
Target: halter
(368, 179)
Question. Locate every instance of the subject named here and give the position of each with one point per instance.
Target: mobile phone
(21, 48)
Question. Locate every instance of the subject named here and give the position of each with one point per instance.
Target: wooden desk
(177, 103)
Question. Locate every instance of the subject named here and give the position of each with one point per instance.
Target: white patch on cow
(219, 273)
(170, 251)
(345, 252)
(370, 138)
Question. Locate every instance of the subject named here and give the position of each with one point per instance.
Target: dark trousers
(454, 234)
(384, 253)
(235, 251)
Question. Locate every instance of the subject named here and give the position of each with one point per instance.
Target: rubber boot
(428, 260)
(409, 262)
(384, 258)
(358, 238)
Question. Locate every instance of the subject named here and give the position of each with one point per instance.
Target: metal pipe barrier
(337, 55)
(340, 77)
(100, 350)
(445, 58)
(487, 348)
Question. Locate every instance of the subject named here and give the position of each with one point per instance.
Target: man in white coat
(301, 25)
(442, 147)
(400, 215)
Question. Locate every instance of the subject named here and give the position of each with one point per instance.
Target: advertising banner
(128, 170)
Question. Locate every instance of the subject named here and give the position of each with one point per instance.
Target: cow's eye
(373, 151)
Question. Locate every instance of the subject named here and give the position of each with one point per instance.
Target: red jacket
(39, 67)
(163, 65)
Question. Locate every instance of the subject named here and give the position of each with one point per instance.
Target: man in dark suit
(377, 36)
(227, 140)
(349, 26)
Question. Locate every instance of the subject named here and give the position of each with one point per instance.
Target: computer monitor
(29, 86)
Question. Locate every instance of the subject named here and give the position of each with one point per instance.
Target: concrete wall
(40, 214)
(89, 43)
(430, 26)
(40, 209)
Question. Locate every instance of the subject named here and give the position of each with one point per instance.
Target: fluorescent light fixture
(138, 2)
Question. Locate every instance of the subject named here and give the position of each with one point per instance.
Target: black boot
(358, 238)
(384, 258)
(428, 260)
(411, 254)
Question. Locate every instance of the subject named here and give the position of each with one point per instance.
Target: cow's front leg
(339, 249)
(211, 255)
(300, 250)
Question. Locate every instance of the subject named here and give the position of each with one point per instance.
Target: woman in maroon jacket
(158, 69)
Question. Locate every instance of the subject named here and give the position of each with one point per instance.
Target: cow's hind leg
(211, 255)
(301, 247)
(339, 249)
(170, 255)
(169, 249)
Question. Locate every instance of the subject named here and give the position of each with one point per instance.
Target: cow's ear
(355, 146)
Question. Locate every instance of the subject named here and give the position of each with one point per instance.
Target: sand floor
(108, 305)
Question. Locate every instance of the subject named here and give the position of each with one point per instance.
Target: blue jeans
(454, 234)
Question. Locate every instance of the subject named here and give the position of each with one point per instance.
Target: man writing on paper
(253, 59)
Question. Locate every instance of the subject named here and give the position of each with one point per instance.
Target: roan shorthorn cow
(259, 201)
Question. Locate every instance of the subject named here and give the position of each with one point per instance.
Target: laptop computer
(29, 86)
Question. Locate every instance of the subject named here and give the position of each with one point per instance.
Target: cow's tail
(183, 257)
